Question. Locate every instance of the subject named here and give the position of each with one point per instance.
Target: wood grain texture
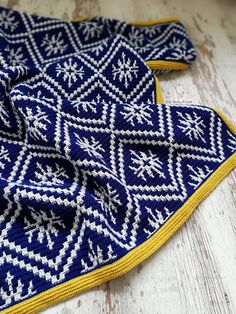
(195, 272)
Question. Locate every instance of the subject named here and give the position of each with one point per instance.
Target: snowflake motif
(232, 142)
(108, 199)
(140, 113)
(54, 44)
(36, 122)
(4, 114)
(156, 220)
(146, 165)
(136, 37)
(197, 175)
(192, 126)
(125, 70)
(91, 30)
(92, 147)
(177, 44)
(4, 157)
(145, 48)
(16, 57)
(151, 31)
(97, 256)
(70, 71)
(16, 290)
(103, 21)
(99, 48)
(180, 54)
(48, 175)
(39, 95)
(8, 21)
(85, 106)
(45, 226)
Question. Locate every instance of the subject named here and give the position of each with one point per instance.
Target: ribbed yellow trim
(143, 251)
(136, 23)
(154, 22)
(166, 65)
(159, 95)
(133, 258)
(82, 18)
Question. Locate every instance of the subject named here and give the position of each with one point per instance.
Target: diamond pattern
(90, 166)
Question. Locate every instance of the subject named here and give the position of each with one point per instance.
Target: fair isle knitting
(163, 44)
(95, 176)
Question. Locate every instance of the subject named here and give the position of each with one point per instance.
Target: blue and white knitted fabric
(90, 166)
(29, 39)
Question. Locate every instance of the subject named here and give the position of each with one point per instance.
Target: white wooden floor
(195, 272)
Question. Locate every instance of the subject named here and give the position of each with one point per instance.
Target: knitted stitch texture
(165, 45)
(94, 174)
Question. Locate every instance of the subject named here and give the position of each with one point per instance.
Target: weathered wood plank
(195, 271)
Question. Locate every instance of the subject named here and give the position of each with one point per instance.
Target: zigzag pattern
(29, 39)
(90, 166)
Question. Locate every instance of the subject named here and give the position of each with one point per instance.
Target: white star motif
(54, 44)
(136, 37)
(109, 200)
(177, 44)
(16, 57)
(48, 175)
(70, 71)
(15, 290)
(90, 146)
(36, 122)
(91, 30)
(139, 113)
(45, 226)
(197, 175)
(192, 125)
(7, 20)
(125, 70)
(146, 165)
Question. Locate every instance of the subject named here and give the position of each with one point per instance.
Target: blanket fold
(94, 174)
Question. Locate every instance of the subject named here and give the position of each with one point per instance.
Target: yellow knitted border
(143, 251)
(159, 95)
(166, 65)
(136, 256)
(171, 19)
(136, 22)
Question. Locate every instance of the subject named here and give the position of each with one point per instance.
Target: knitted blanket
(95, 175)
